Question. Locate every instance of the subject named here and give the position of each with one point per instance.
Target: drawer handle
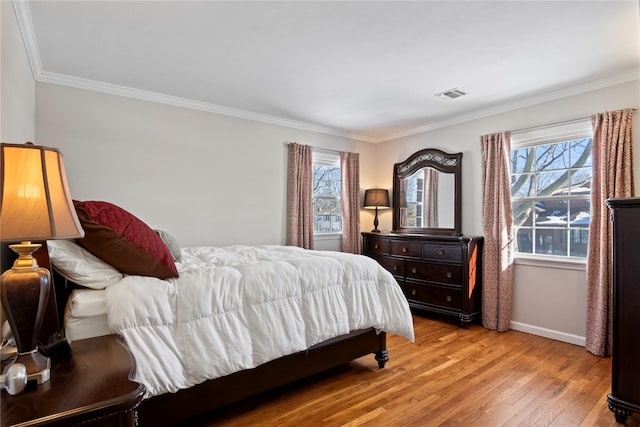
(449, 275)
(395, 268)
(449, 298)
(413, 270)
(413, 292)
(376, 246)
(441, 252)
(404, 250)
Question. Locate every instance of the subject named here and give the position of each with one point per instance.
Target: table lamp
(35, 205)
(374, 199)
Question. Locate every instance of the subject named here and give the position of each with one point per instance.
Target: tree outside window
(326, 194)
(550, 194)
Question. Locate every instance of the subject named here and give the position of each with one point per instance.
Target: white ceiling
(364, 69)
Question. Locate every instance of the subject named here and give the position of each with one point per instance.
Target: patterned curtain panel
(430, 198)
(612, 176)
(350, 201)
(299, 206)
(497, 273)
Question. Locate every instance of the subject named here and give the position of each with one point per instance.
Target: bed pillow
(124, 241)
(171, 243)
(81, 266)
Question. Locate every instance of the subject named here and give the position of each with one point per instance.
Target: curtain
(612, 176)
(430, 198)
(299, 206)
(350, 201)
(497, 273)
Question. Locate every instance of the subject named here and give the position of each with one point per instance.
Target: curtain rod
(566, 122)
(317, 148)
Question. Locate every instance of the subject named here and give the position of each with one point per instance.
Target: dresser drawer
(442, 252)
(376, 245)
(406, 249)
(440, 273)
(433, 295)
(394, 265)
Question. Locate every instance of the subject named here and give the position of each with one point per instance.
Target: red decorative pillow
(122, 240)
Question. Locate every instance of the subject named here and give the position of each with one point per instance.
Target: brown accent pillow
(124, 241)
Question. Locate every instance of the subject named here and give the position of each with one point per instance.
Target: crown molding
(576, 89)
(23, 16)
(25, 24)
(26, 28)
(111, 89)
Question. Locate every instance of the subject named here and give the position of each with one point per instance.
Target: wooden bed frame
(170, 408)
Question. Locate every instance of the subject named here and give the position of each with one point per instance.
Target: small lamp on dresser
(376, 198)
(35, 205)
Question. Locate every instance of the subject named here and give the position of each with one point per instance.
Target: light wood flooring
(450, 376)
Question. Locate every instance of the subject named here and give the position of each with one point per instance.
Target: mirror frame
(442, 162)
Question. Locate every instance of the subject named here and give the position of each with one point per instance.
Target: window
(326, 193)
(550, 189)
(415, 200)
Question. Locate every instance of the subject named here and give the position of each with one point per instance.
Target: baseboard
(548, 333)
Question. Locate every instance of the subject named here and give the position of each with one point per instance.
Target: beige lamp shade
(376, 198)
(35, 203)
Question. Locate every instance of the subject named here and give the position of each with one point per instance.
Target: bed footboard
(171, 408)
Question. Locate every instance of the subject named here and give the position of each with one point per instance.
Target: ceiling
(368, 70)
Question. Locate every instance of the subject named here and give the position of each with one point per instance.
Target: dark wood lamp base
(24, 290)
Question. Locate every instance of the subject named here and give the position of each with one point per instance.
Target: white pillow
(80, 266)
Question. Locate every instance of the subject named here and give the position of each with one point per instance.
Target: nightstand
(91, 388)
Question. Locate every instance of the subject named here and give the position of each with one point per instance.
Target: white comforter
(237, 307)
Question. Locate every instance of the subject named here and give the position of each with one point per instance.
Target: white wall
(205, 178)
(17, 87)
(210, 179)
(546, 301)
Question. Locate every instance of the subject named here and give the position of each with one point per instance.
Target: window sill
(328, 236)
(551, 262)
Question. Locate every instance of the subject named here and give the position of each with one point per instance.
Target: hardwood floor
(449, 377)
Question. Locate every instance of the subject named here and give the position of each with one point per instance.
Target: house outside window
(327, 218)
(550, 190)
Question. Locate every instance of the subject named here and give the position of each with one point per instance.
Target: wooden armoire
(624, 398)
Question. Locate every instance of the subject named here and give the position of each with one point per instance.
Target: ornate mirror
(427, 193)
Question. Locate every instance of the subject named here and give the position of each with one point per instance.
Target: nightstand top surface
(94, 382)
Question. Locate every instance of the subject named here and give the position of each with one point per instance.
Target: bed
(228, 322)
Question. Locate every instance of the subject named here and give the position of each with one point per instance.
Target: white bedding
(85, 314)
(237, 307)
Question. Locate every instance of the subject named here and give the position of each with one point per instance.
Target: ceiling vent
(451, 94)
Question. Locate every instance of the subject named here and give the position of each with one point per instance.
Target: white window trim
(327, 235)
(538, 260)
(326, 158)
(566, 131)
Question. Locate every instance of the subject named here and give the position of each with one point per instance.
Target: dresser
(438, 273)
(625, 361)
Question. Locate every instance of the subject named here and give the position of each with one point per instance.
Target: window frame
(326, 158)
(544, 135)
